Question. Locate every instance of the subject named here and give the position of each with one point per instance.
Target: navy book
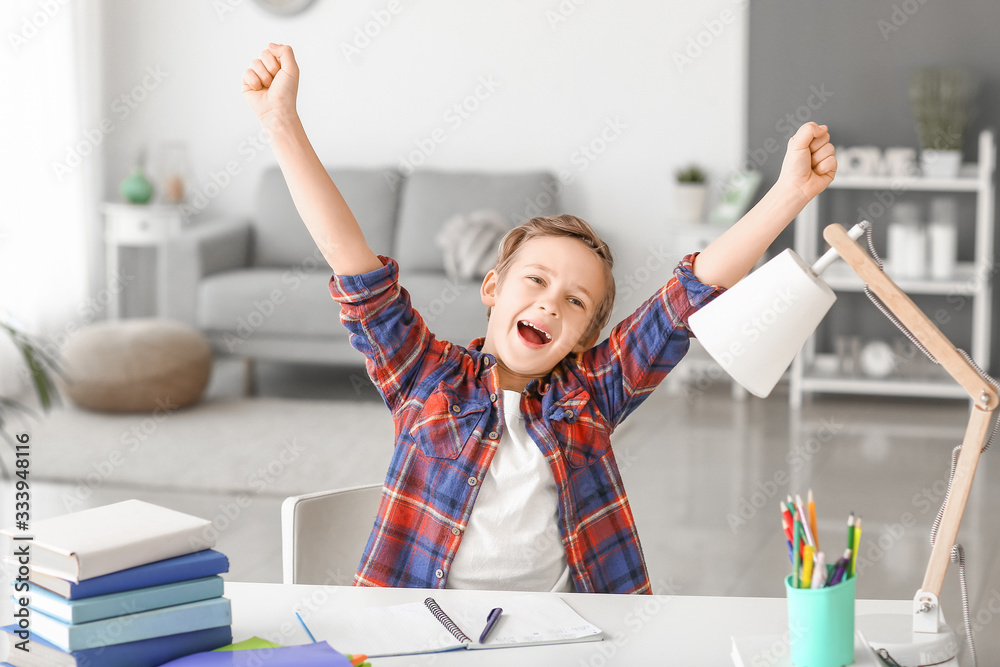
(204, 563)
(144, 653)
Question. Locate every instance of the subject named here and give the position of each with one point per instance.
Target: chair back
(323, 534)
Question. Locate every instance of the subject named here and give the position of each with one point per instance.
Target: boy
(503, 475)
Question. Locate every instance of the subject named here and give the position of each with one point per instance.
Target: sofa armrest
(198, 252)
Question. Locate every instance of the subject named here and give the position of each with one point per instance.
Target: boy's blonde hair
(573, 227)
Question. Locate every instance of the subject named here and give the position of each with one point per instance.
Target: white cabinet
(820, 369)
(130, 225)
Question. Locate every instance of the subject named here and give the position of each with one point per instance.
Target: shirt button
(493, 398)
(456, 409)
(456, 531)
(568, 414)
(473, 481)
(439, 574)
(494, 435)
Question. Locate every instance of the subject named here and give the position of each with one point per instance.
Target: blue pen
(491, 621)
(305, 627)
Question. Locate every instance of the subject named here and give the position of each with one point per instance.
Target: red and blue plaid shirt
(445, 402)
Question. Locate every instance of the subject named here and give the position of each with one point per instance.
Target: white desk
(638, 630)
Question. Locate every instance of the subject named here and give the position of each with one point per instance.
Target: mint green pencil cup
(821, 624)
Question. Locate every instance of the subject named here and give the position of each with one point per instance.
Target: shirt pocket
(446, 422)
(582, 438)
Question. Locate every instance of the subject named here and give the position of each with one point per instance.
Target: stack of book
(129, 584)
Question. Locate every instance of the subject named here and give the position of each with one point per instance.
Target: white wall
(562, 70)
(48, 225)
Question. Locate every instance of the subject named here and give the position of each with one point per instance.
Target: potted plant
(39, 367)
(691, 193)
(940, 98)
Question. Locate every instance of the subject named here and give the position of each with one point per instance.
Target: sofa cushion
(270, 302)
(281, 238)
(429, 198)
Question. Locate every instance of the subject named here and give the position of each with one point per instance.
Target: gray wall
(847, 64)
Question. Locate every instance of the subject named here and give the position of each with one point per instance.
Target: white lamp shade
(756, 328)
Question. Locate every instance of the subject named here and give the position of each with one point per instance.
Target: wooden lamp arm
(983, 394)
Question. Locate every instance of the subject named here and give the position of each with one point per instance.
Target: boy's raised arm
(270, 85)
(809, 166)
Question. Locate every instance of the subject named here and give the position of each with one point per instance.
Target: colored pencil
(857, 545)
(812, 519)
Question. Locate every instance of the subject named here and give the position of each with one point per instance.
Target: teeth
(544, 333)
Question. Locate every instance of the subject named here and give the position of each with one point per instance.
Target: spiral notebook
(429, 627)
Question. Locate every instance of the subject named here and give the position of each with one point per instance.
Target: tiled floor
(705, 474)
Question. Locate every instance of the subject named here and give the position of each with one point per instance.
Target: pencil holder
(821, 624)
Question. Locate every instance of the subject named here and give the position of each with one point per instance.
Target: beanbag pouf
(137, 365)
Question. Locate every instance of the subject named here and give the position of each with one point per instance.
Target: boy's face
(546, 302)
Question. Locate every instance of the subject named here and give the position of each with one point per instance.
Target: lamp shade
(756, 328)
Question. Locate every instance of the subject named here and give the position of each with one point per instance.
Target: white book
(106, 539)
(420, 627)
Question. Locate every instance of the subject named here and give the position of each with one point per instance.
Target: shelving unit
(815, 371)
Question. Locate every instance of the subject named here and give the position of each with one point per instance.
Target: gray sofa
(258, 288)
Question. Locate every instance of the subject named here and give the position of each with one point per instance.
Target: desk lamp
(755, 329)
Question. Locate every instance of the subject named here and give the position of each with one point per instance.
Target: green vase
(136, 188)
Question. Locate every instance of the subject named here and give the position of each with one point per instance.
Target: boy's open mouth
(533, 334)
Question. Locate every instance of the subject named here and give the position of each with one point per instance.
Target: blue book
(84, 610)
(145, 653)
(133, 627)
(195, 565)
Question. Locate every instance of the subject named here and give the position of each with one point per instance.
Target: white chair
(323, 534)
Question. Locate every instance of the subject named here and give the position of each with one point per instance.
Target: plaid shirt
(445, 402)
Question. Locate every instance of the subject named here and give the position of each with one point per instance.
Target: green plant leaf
(38, 377)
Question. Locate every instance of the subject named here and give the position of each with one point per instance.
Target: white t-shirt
(512, 541)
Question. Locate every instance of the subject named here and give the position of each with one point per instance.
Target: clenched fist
(271, 82)
(810, 163)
